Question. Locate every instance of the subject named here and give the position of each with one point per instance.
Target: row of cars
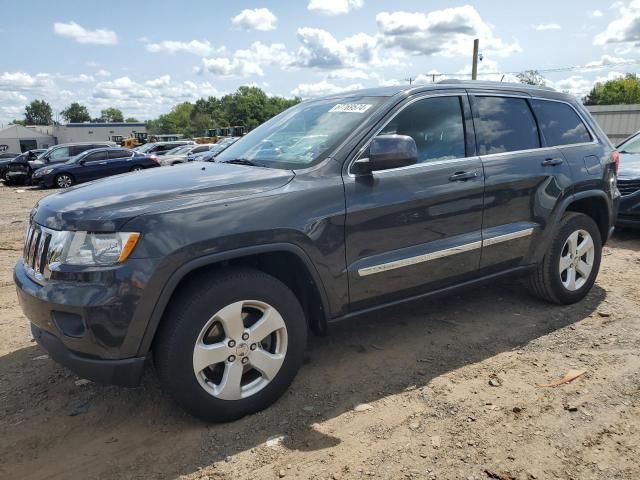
(65, 165)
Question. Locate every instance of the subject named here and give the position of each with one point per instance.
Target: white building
(16, 138)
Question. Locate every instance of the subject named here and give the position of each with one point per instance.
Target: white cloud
(334, 7)
(606, 60)
(196, 47)
(595, 14)
(248, 62)
(447, 32)
(322, 50)
(346, 74)
(546, 26)
(579, 85)
(255, 19)
(103, 73)
(80, 34)
(625, 29)
(163, 81)
(306, 90)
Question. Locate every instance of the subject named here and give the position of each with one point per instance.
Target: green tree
(76, 113)
(531, 77)
(38, 112)
(111, 115)
(132, 120)
(624, 90)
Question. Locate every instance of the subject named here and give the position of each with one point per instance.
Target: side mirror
(82, 162)
(386, 152)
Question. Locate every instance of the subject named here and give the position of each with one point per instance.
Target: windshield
(630, 146)
(303, 134)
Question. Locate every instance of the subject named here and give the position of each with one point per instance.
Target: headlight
(43, 171)
(99, 249)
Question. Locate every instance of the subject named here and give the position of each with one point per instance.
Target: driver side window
(437, 126)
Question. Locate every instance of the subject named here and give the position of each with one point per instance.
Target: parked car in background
(92, 165)
(5, 159)
(209, 155)
(396, 194)
(183, 154)
(18, 169)
(162, 148)
(629, 182)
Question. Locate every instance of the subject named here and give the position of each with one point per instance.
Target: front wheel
(231, 344)
(136, 168)
(64, 180)
(570, 267)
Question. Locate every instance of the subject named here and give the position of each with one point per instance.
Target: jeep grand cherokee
(335, 207)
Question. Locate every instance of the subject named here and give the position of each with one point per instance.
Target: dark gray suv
(338, 206)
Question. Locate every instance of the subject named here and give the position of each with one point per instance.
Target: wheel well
(286, 267)
(595, 208)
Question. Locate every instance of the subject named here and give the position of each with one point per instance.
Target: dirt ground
(444, 389)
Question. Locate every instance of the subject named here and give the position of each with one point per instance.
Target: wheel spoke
(205, 355)
(269, 323)
(573, 242)
(565, 262)
(571, 278)
(583, 268)
(585, 246)
(268, 364)
(231, 319)
(229, 386)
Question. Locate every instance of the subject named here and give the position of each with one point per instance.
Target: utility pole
(474, 66)
(410, 80)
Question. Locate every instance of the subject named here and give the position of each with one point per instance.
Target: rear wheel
(136, 168)
(64, 180)
(230, 345)
(570, 267)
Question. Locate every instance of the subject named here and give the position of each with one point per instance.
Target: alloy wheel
(240, 350)
(576, 260)
(64, 181)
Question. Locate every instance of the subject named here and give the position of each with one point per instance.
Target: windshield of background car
(631, 146)
(145, 148)
(304, 134)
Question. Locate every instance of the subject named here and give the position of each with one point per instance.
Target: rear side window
(96, 156)
(505, 124)
(437, 126)
(200, 149)
(118, 154)
(560, 124)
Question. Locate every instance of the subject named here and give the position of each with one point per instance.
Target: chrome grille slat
(36, 252)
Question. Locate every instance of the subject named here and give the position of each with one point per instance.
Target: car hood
(106, 205)
(629, 165)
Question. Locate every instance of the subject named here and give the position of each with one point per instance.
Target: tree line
(248, 107)
(251, 106)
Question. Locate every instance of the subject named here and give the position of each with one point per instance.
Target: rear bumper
(126, 372)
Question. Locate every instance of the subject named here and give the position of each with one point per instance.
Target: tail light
(154, 158)
(615, 156)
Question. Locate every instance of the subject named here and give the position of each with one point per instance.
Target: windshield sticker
(351, 107)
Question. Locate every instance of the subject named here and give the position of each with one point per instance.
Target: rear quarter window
(559, 123)
(505, 124)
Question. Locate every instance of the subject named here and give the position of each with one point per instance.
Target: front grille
(36, 251)
(628, 187)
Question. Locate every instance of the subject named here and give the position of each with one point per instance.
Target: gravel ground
(444, 389)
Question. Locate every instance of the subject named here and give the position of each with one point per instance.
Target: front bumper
(126, 372)
(87, 320)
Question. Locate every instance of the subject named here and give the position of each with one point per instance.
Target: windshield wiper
(243, 161)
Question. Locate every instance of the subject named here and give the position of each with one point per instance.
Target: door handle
(463, 176)
(551, 162)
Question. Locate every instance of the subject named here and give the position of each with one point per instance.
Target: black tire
(136, 168)
(57, 182)
(186, 317)
(545, 281)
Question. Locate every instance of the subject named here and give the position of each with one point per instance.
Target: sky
(145, 57)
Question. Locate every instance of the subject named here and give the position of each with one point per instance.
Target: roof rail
(480, 83)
